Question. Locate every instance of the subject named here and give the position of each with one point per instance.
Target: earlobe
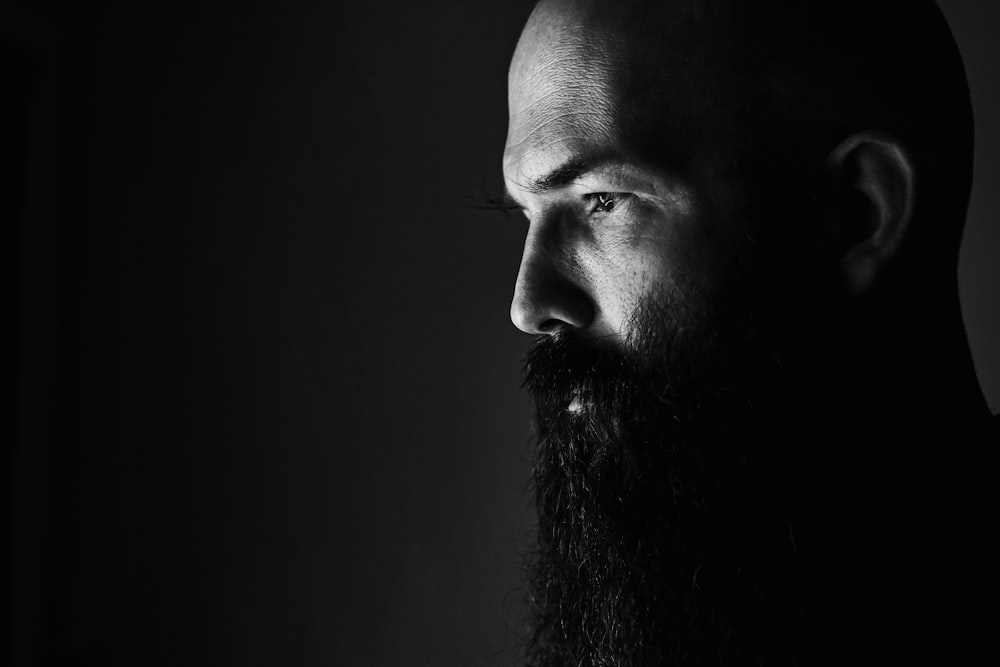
(877, 190)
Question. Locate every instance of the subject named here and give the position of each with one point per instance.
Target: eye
(605, 202)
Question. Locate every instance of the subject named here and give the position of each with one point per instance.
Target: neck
(891, 412)
(890, 373)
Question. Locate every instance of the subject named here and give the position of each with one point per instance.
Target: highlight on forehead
(632, 72)
(575, 41)
(628, 19)
(561, 48)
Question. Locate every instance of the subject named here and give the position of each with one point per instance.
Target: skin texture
(669, 225)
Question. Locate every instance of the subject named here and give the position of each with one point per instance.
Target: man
(761, 438)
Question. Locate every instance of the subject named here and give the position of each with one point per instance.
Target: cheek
(627, 269)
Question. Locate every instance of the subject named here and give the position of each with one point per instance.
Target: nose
(548, 294)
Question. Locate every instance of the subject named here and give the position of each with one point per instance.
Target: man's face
(617, 211)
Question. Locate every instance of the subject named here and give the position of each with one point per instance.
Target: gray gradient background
(268, 388)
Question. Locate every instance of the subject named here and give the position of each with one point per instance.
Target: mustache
(565, 357)
(656, 365)
(562, 365)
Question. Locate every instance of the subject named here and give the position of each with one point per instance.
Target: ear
(874, 198)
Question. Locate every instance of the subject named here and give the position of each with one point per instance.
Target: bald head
(636, 69)
(688, 76)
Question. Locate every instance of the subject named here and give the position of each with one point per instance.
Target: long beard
(662, 539)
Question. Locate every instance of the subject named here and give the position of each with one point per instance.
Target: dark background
(267, 389)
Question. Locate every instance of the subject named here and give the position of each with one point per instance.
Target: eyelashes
(594, 204)
(485, 200)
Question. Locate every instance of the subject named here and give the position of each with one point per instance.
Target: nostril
(550, 326)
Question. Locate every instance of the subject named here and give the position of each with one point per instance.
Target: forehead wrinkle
(557, 100)
(606, 76)
(561, 54)
(553, 131)
(559, 130)
(545, 165)
(561, 81)
(561, 105)
(645, 47)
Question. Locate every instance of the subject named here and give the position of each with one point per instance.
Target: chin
(663, 514)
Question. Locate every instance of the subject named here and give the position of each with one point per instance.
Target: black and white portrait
(572, 332)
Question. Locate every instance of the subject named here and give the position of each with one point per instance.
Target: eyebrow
(562, 175)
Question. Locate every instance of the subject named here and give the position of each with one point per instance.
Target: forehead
(561, 95)
(586, 78)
